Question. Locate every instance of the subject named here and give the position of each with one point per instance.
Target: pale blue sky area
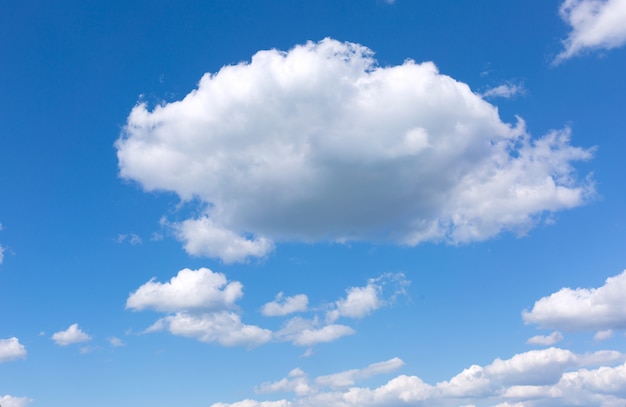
(307, 204)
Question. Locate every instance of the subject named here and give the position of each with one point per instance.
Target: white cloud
(603, 335)
(221, 327)
(320, 143)
(546, 340)
(189, 289)
(285, 305)
(361, 301)
(582, 309)
(71, 335)
(11, 349)
(551, 377)
(11, 401)
(595, 25)
(506, 91)
(305, 332)
(350, 377)
(2, 249)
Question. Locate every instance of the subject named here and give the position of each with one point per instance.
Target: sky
(306, 204)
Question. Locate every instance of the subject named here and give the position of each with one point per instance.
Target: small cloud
(116, 342)
(285, 305)
(595, 25)
(603, 335)
(131, 238)
(582, 309)
(11, 349)
(548, 340)
(71, 335)
(506, 91)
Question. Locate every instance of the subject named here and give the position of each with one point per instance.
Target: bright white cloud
(595, 25)
(582, 309)
(285, 305)
(506, 91)
(320, 143)
(11, 349)
(221, 327)
(11, 401)
(189, 289)
(546, 340)
(71, 335)
(551, 377)
(361, 301)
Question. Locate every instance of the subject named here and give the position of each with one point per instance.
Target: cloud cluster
(71, 335)
(11, 349)
(321, 143)
(506, 91)
(595, 25)
(545, 340)
(201, 304)
(549, 377)
(582, 309)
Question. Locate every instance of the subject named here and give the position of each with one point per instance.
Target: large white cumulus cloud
(321, 143)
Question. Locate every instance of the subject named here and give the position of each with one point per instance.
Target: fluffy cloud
(11, 349)
(285, 305)
(309, 332)
(11, 401)
(546, 340)
(603, 335)
(582, 309)
(551, 377)
(361, 301)
(71, 335)
(321, 143)
(189, 289)
(221, 327)
(198, 301)
(595, 25)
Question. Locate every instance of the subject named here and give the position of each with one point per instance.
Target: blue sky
(304, 204)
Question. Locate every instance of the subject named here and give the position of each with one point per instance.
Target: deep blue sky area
(284, 204)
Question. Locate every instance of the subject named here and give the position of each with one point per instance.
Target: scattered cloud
(582, 309)
(506, 91)
(309, 332)
(595, 25)
(116, 342)
(285, 305)
(221, 327)
(131, 238)
(11, 401)
(603, 335)
(320, 143)
(553, 377)
(546, 340)
(189, 289)
(361, 301)
(198, 303)
(2, 249)
(11, 349)
(71, 335)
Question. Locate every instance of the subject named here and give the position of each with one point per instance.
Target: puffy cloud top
(582, 309)
(596, 24)
(11, 349)
(321, 143)
(71, 335)
(189, 289)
